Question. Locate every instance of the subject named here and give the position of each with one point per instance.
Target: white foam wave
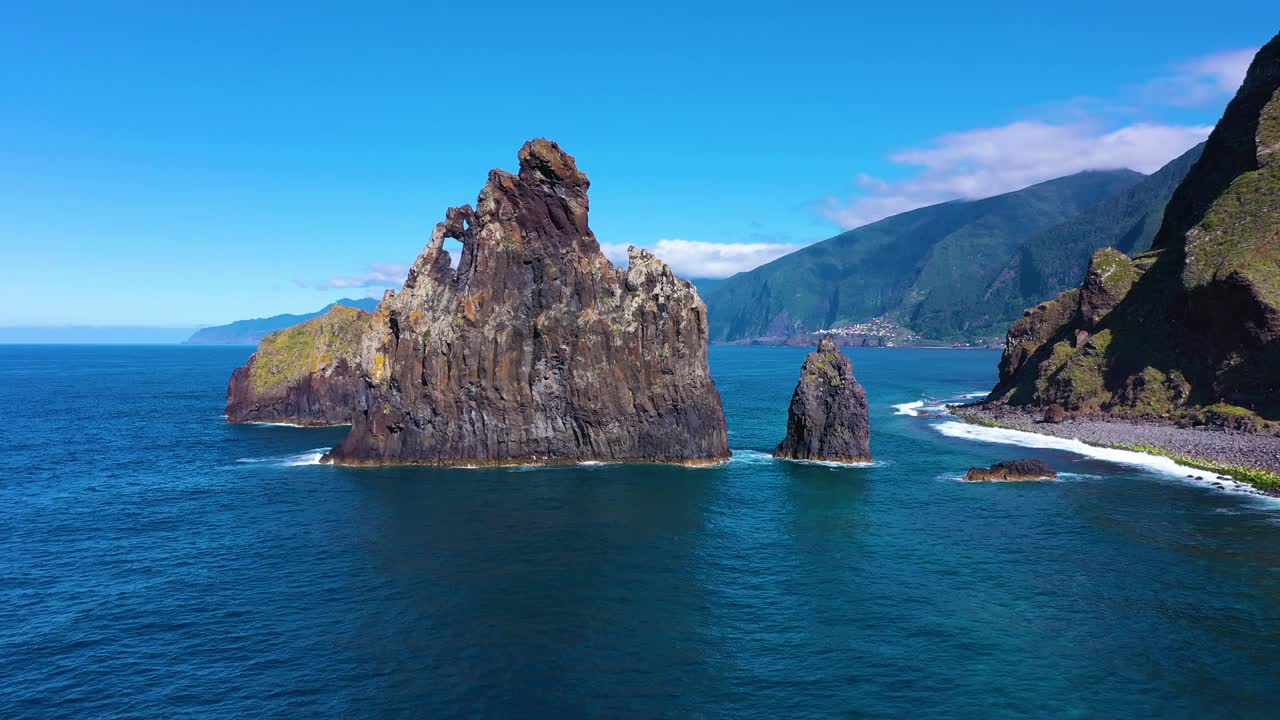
(908, 408)
(750, 457)
(1130, 458)
(755, 457)
(834, 464)
(310, 457)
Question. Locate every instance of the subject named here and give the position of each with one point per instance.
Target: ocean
(158, 562)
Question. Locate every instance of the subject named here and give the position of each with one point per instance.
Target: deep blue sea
(156, 562)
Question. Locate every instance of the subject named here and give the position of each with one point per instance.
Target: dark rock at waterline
(1012, 470)
(305, 375)
(535, 349)
(828, 418)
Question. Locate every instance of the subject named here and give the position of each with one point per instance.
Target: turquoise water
(157, 562)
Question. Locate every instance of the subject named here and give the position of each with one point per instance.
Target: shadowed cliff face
(307, 374)
(535, 349)
(1196, 322)
(828, 418)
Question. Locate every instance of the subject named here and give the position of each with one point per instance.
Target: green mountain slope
(251, 332)
(1056, 259)
(947, 271)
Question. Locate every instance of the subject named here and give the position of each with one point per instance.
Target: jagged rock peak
(536, 349)
(828, 417)
(543, 159)
(1108, 280)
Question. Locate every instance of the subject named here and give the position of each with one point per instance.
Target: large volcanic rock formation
(535, 349)
(828, 418)
(307, 374)
(1192, 328)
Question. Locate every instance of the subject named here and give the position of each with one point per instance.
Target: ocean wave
(751, 457)
(908, 408)
(310, 457)
(755, 457)
(834, 464)
(1130, 458)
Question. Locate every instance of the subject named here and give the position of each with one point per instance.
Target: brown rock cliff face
(304, 375)
(828, 418)
(535, 349)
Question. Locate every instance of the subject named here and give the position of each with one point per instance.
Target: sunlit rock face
(828, 418)
(535, 348)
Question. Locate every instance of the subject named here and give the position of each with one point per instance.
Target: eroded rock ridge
(535, 348)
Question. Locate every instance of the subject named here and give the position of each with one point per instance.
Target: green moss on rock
(1073, 377)
(1152, 393)
(288, 355)
(1241, 231)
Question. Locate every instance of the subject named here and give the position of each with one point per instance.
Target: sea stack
(304, 375)
(828, 418)
(535, 349)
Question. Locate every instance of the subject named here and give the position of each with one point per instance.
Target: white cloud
(983, 162)
(990, 161)
(1208, 78)
(378, 275)
(698, 259)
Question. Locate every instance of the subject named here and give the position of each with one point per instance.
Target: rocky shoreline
(1206, 444)
(520, 462)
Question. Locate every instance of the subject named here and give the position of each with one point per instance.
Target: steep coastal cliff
(1190, 330)
(535, 349)
(306, 375)
(828, 418)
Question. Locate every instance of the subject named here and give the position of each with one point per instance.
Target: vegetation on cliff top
(1238, 233)
(287, 355)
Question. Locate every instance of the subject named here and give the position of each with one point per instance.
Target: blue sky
(169, 166)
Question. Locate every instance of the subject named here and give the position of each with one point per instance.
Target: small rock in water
(1010, 470)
